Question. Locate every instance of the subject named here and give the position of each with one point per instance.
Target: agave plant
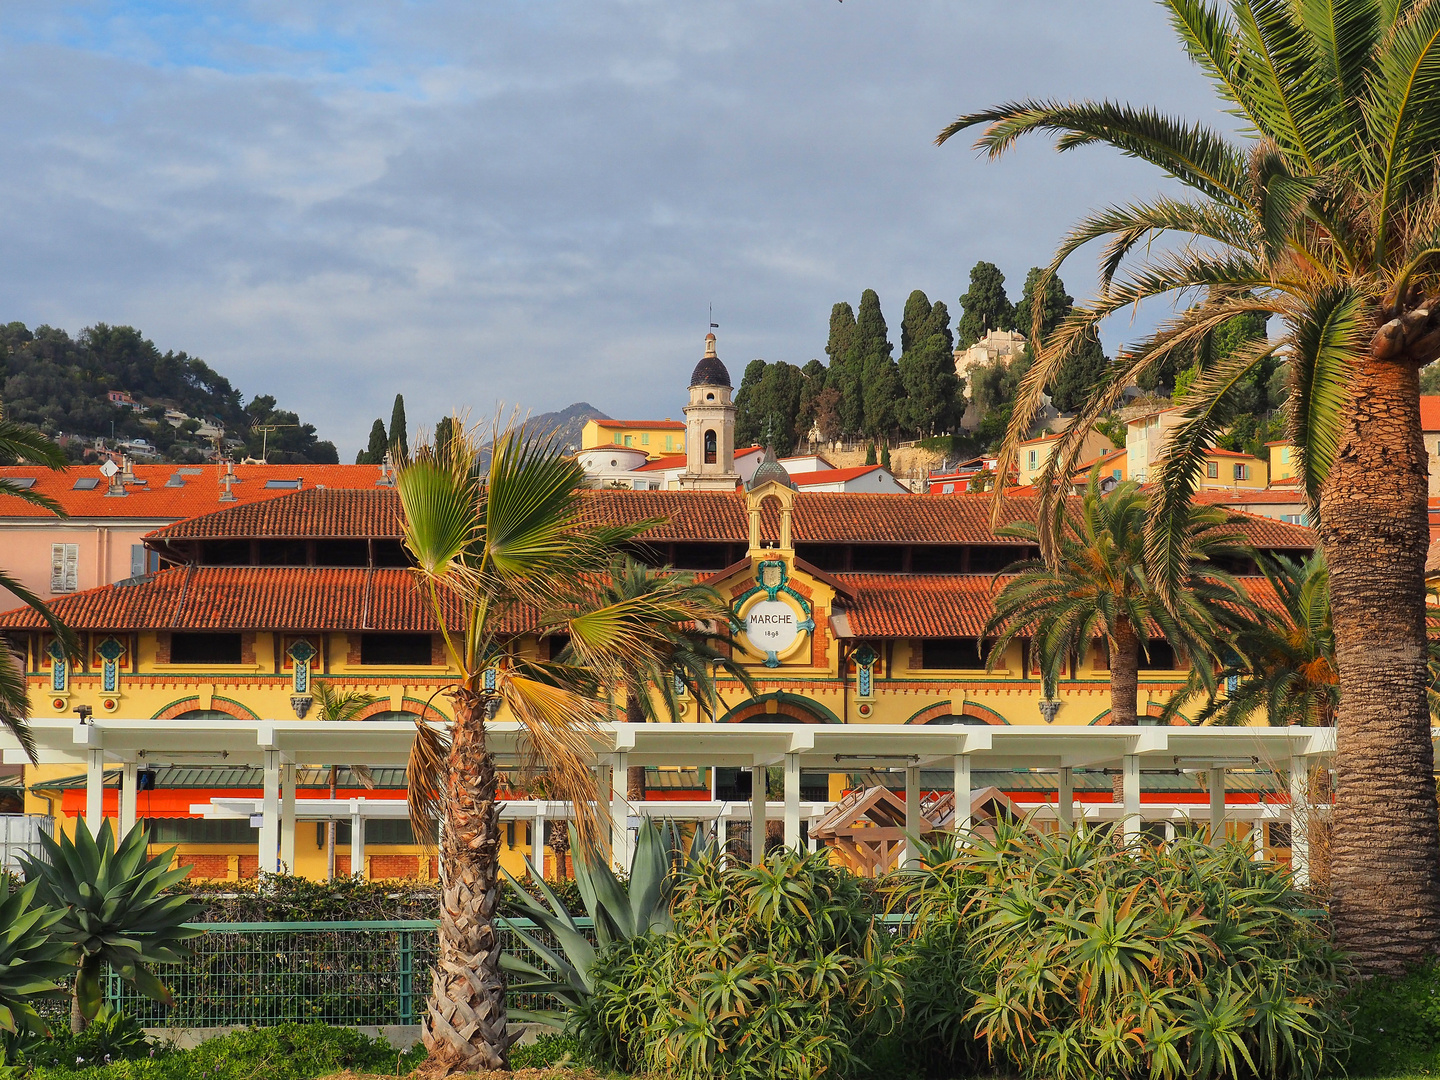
(32, 958)
(113, 910)
(620, 910)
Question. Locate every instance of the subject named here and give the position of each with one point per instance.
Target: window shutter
(137, 560)
(57, 568)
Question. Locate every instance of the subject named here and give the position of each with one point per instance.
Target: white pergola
(278, 746)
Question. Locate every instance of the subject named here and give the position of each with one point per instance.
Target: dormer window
(710, 446)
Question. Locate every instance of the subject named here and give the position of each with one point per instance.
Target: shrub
(1070, 957)
(771, 971)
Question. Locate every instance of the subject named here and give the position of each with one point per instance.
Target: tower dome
(769, 469)
(710, 371)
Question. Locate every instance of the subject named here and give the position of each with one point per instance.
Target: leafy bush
(552, 1048)
(111, 1036)
(1069, 957)
(1397, 1025)
(773, 971)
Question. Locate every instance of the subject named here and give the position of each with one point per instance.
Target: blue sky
(535, 202)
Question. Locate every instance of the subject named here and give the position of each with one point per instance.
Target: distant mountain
(569, 423)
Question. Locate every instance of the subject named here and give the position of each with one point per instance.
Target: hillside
(568, 423)
(173, 402)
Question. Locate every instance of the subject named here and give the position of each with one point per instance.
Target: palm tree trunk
(1385, 853)
(464, 1026)
(1124, 673)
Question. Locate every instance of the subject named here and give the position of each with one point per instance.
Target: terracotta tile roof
(1430, 412)
(1432, 559)
(197, 488)
(832, 476)
(941, 605)
(669, 461)
(328, 512)
(664, 425)
(251, 598)
(1249, 495)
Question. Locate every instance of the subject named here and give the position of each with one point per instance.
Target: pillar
(961, 820)
(129, 796)
(1130, 796)
(94, 789)
(1065, 800)
(270, 814)
(1217, 805)
(1300, 819)
(722, 826)
(287, 817)
(912, 818)
(357, 839)
(537, 841)
(792, 802)
(619, 814)
(757, 814)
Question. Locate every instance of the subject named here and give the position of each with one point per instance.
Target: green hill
(63, 386)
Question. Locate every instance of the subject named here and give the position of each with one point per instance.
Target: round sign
(772, 626)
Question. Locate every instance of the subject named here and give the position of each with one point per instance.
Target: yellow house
(851, 609)
(1229, 469)
(1033, 455)
(656, 437)
(1284, 462)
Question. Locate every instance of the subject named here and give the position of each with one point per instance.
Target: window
(86, 483)
(617, 440)
(1296, 519)
(669, 443)
(1285, 454)
(946, 489)
(1212, 470)
(1034, 456)
(951, 653)
(629, 440)
(200, 830)
(710, 447)
(1157, 655)
(1242, 472)
(64, 568)
(292, 484)
(644, 438)
(143, 561)
(1115, 473)
(21, 481)
(394, 650)
(205, 648)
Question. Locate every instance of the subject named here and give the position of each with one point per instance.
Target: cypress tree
(374, 453)
(398, 437)
(850, 382)
(747, 421)
(1078, 377)
(812, 385)
(444, 434)
(1056, 305)
(985, 306)
(842, 333)
(930, 401)
(870, 455)
(776, 406)
(879, 380)
(885, 457)
(915, 323)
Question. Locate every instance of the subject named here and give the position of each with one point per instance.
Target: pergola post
(961, 819)
(792, 802)
(537, 841)
(129, 796)
(287, 817)
(270, 814)
(757, 813)
(357, 840)
(912, 817)
(94, 789)
(1217, 805)
(1300, 818)
(1130, 796)
(1065, 800)
(722, 825)
(619, 814)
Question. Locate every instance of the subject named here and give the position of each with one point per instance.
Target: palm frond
(1328, 331)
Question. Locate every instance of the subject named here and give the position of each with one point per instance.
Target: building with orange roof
(1033, 455)
(102, 539)
(655, 437)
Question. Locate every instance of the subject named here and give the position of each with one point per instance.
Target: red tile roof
(664, 425)
(669, 461)
(1261, 496)
(1430, 412)
(198, 490)
(328, 512)
(891, 605)
(251, 598)
(832, 476)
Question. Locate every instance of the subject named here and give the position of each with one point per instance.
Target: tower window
(709, 397)
(710, 447)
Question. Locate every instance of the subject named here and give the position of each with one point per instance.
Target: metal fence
(325, 972)
(20, 834)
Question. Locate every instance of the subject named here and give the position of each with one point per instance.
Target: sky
(537, 202)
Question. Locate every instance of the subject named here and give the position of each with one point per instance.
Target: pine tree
(399, 440)
(374, 454)
(1056, 306)
(930, 389)
(747, 422)
(985, 307)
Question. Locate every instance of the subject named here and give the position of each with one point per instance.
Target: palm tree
(494, 550)
(1098, 587)
(341, 706)
(1278, 662)
(687, 659)
(18, 443)
(1324, 213)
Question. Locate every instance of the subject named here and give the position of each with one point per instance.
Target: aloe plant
(113, 910)
(620, 910)
(32, 957)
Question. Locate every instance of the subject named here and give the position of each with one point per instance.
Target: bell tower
(710, 427)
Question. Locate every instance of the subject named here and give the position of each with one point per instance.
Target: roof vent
(176, 480)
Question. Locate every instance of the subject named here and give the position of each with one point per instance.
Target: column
(1300, 818)
(357, 839)
(757, 814)
(1217, 805)
(1130, 796)
(287, 817)
(722, 825)
(537, 841)
(1257, 835)
(1065, 800)
(270, 814)
(619, 814)
(94, 789)
(912, 817)
(961, 821)
(792, 802)
(129, 796)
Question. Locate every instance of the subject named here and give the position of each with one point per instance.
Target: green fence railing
(324, 972)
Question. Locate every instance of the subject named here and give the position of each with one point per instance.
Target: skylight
(86, 483)
(21, 481)
(282, 483)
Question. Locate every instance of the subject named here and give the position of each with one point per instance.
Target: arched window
(392, 716)
(204, 714)
(710, 447)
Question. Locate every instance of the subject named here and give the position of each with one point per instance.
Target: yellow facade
(1230, 471)
(1284, 462)
(656, 437)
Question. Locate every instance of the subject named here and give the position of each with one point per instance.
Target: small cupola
(710, 371)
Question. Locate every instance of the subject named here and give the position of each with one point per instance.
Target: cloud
(534, 201)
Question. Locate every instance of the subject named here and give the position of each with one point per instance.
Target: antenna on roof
(713, 324)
